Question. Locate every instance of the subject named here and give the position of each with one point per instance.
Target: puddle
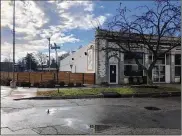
(152, 108)
(79, 125)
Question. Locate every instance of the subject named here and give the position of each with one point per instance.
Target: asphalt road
(91, 116)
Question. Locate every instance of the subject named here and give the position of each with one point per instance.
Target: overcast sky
(70, 24)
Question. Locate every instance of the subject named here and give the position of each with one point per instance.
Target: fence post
(17, 76)
(41, 77)
(29, 77)
(83, 78)
(94, 78)
(54, 78)
(69, 77)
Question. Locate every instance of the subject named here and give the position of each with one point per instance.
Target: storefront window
(161, 60)
(130, 66)
(128, 59)
(133, 70)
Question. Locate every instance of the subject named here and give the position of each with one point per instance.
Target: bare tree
(155, 31)
(42, 58)
(63, 56)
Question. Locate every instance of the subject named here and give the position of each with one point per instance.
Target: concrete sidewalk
(18, 92)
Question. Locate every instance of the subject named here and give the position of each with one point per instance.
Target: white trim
(116, 73)
(159, 65)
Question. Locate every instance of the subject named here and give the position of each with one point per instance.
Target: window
(128, 59)
(130, 66)
(177, 59)
(133, 70)
(177, 64)
(161, 60)
(150, 58)
(177, 70)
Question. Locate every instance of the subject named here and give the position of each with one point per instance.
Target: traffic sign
(55, 47)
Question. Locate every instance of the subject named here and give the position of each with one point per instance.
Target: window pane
(177, 59)
(150, 58)
(161, 60)
(128, 59)
(177, 70)
(162, 73)
(132, 70)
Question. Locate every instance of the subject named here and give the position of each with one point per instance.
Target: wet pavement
(91, 116)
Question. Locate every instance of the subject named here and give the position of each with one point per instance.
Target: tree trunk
(149, 76)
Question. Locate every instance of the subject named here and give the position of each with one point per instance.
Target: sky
(70, 24)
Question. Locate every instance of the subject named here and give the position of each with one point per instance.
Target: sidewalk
(18, 92)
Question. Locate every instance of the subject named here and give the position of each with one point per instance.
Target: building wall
(101, 57)
(80, 62)
(104, 59)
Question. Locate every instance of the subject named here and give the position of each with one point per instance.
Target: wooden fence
(37, 77)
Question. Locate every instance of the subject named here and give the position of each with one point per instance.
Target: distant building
(8, 67)
(80, 61)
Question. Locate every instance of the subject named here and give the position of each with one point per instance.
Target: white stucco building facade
(81, 61)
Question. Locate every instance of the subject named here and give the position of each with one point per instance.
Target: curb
(153, 95)
(60, 97)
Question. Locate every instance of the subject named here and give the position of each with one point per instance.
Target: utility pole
(13, 83)
(49, 39)
(56, 47)
(57, 69)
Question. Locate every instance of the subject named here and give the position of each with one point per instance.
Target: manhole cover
(151, 108)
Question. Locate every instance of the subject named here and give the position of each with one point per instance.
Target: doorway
(113, 74)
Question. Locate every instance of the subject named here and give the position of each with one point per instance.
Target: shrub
(2, 82)
(70, 85)
(18, 83)
(52, 82)
(36, 84)
(42, 85)
(135, 81)
(48, 84)
(6, 82)
(25, 84)
(130, 80)
(61, 84)
(140, 80)
(79, 84)
(104, 84)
